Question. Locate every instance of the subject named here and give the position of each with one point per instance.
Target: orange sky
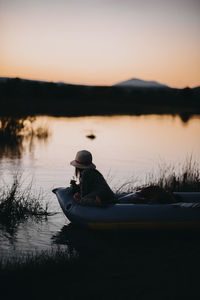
(101, 42)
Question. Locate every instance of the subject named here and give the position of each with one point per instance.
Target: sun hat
(83, 160)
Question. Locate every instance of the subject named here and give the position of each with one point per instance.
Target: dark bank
(33, 97)
(111, 265)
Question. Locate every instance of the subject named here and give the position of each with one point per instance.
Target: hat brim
(81, 166)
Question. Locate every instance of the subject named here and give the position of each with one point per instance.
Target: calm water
(125, 148)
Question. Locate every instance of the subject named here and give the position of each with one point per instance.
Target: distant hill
(3, 79)
(138, 83)
(39, 82)
(21, 96)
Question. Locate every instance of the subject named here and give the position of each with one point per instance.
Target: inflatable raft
(184, 214)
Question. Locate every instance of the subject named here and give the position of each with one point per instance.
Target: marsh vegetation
(183, 177)
(14, 130)
(19, 202)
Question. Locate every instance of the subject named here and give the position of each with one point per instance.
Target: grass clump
(11, 127)
(183, 177)
(46, 259)
(17, 203)
(14, 129)
(41, 132)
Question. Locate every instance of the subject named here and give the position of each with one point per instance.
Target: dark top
(92, 184)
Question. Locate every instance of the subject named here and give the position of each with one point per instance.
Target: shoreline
(32, 98)
(111, 266)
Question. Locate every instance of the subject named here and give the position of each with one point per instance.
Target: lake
(125, 148)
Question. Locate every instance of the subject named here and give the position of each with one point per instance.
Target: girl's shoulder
(90, 172)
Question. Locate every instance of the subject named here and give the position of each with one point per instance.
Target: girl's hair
(78, 172)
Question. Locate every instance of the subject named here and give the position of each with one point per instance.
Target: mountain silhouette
(134, 82)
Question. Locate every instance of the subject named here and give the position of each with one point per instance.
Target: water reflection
(11, 149)
(78, 239)
(9, 231)
(185, 117)
(121, 244)
(109, 242)
(15, 131)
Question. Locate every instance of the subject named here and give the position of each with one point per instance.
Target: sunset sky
(101, 42)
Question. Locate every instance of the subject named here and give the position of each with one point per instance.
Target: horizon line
(93, 85)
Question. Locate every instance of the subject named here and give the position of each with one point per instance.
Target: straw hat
(83, 160)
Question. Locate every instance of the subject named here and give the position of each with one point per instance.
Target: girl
(93, 190)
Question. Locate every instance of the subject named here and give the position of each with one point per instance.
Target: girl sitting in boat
(92, 190)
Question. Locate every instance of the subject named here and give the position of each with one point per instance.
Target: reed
(37, 260)
(179, 177)
(41, 132)
(16, 128)
(17, 203)
(11, 127)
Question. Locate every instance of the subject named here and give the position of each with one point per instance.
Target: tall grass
(178, 177)
(11, 127)
(18, 202)
(15, 128)
(43, 259)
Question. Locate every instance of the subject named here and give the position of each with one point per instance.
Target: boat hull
(133, 216)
